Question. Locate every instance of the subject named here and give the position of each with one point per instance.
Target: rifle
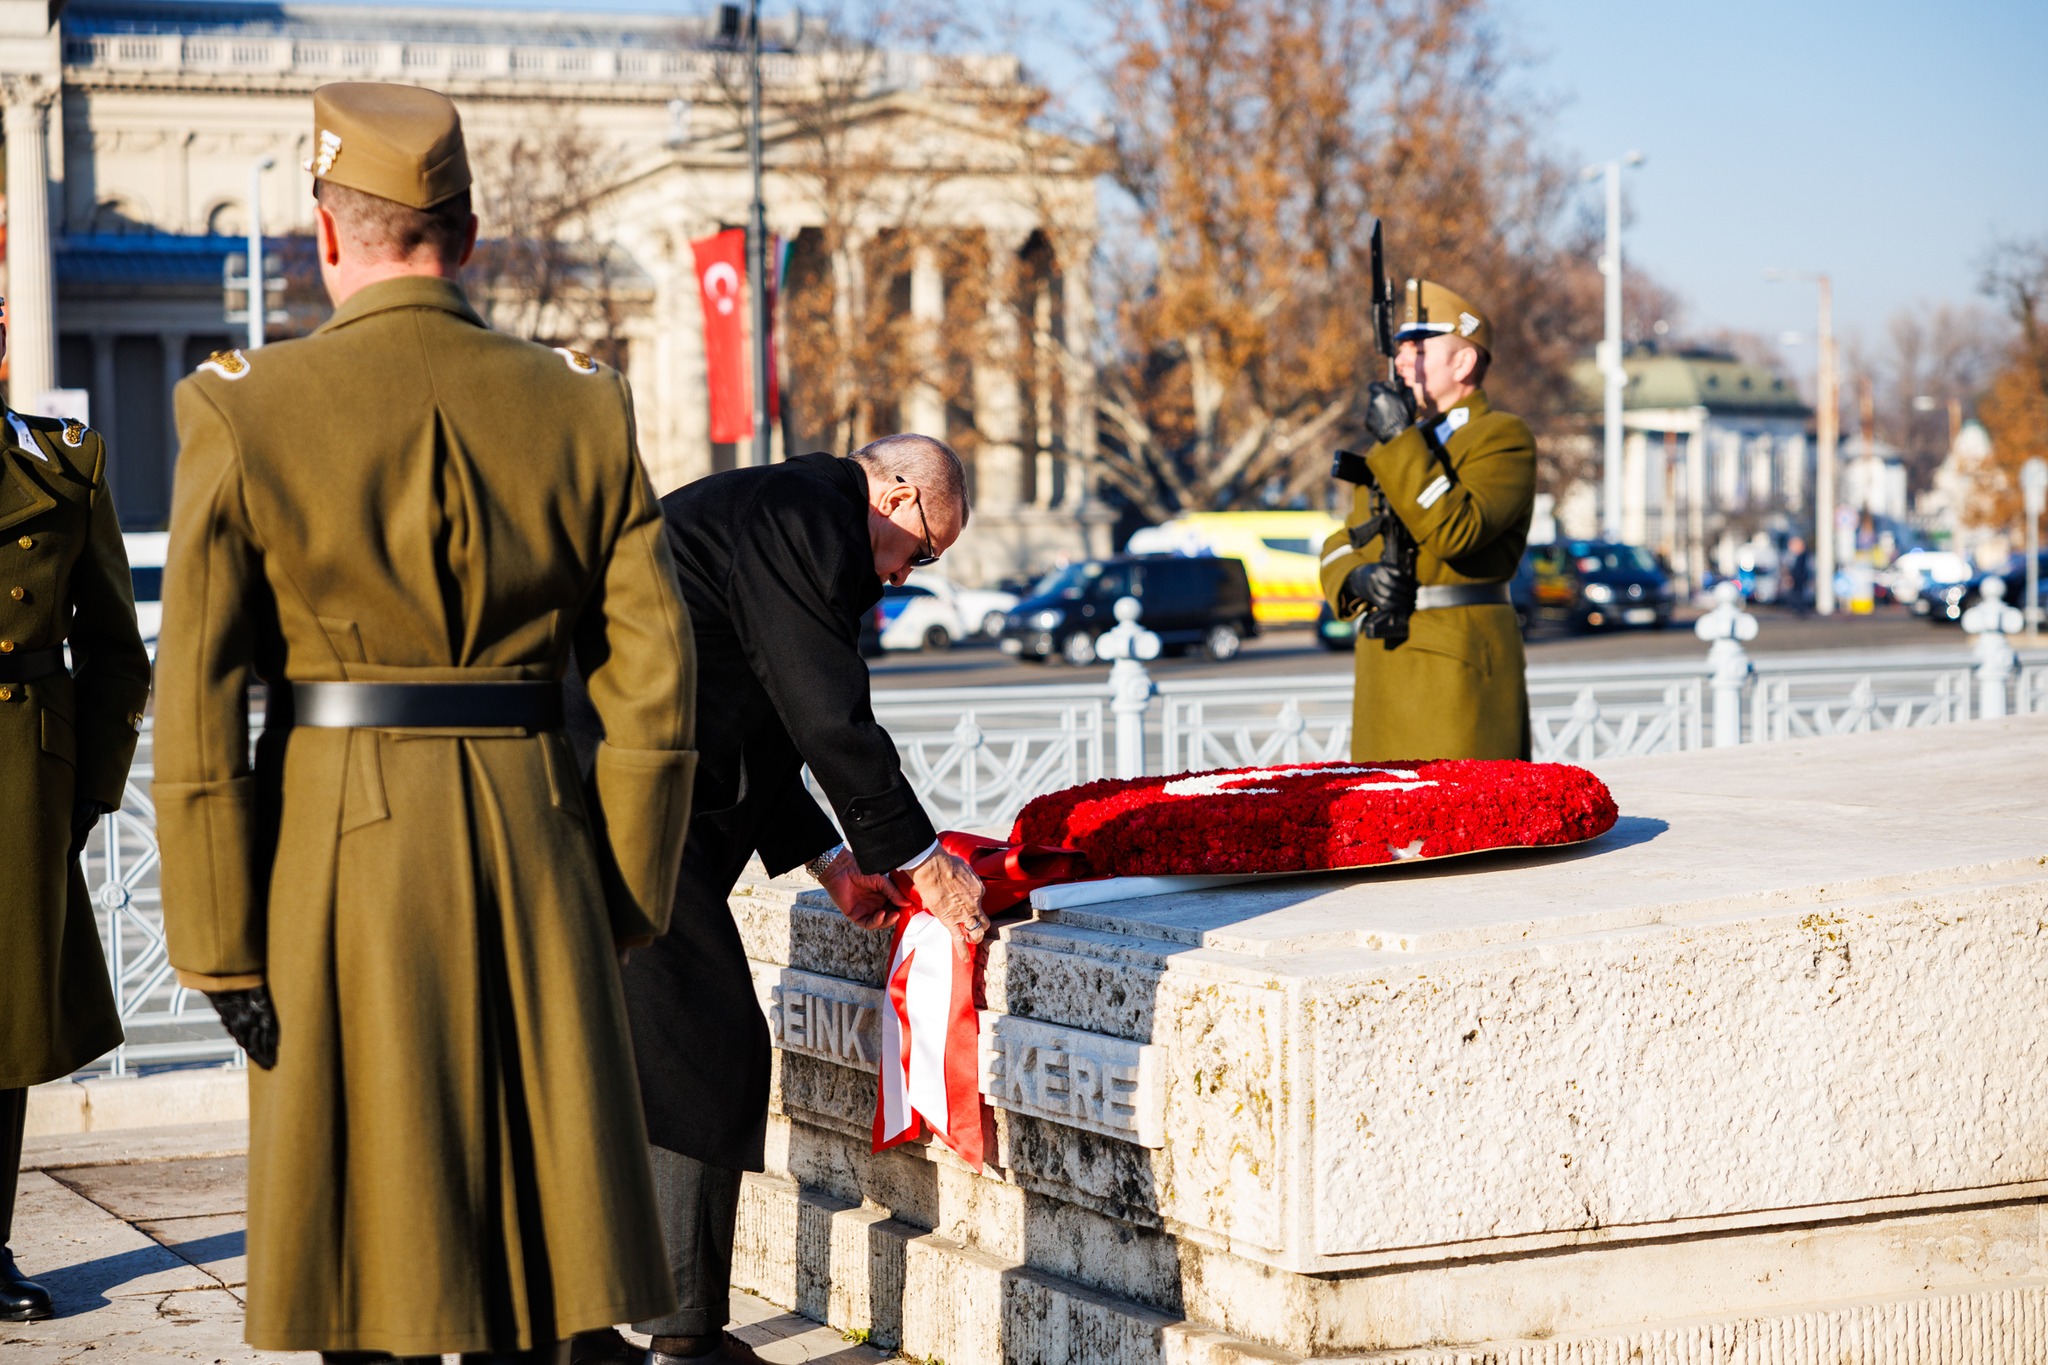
(1397, 545)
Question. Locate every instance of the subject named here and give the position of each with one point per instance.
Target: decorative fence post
(1991, 621)
(1728, 626)
(1130, 686)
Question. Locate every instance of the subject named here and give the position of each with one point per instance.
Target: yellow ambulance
(1282, 554)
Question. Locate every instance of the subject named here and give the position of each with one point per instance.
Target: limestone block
(1105, 983)
(1227, 1106)
(1074, 1077)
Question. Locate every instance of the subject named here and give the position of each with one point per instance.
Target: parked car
(146, 569)
(1190, 603)
(915, 617)
(981, 610)
(1945, 605)
(1597, 584)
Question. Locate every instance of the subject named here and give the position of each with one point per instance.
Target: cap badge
(226, 364)
(330, 148)
(576, 360)
(1467, 324)
(74, 432)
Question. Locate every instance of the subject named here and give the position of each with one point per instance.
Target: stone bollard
(1130, 645)
(1728, 626)
(1992, 621)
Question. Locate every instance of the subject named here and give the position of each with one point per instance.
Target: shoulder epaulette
(75, 432)
(226, 364)
(576, 360)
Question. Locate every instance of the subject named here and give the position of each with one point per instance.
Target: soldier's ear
(328, 234)
(468, 244)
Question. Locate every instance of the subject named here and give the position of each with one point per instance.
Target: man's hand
(85, 814)
(250, 1020)
(1382, 588)
(1389, 410)
(869, 901)
(951, 891)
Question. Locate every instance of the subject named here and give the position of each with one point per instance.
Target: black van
(1198, 603)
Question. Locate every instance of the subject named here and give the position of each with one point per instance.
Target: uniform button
(27, 542)
(6, 693)
(6, 646)
(17, 593)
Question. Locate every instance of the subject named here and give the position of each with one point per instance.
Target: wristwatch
(821, 864)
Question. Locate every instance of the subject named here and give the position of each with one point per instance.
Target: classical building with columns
(133, 129)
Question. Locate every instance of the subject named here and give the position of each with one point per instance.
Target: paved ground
(1295, 653)
(139, 1237)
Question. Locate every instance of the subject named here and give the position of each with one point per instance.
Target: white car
(146, 567)
(981, 611)
(915, 617)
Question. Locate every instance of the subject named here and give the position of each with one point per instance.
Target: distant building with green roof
(1714, 454)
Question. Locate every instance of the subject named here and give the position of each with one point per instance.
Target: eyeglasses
(931, 554)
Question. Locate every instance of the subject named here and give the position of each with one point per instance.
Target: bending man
(778, 566)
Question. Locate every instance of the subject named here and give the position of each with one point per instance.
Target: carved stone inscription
(1085, 1080)
(1071, 1076)
(825, 1017)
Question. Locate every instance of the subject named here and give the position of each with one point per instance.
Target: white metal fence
(977, 754)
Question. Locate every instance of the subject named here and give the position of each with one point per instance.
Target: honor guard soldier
(406, 908)
(1439, 654)
(66, 738)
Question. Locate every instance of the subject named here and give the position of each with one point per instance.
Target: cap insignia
(226, 364)
(1467, 324)
(576, 360)
(330, 148)
(74, 432)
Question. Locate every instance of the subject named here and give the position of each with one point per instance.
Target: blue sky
(1884, 141)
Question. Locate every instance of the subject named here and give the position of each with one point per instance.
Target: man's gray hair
(923, 460)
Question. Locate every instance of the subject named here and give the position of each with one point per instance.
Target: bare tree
(545, 267)
(1254, 138)
(2015, 408)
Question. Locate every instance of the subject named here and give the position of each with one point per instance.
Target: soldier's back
(427, 492)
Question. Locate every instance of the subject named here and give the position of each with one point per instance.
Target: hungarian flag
(728, 366)
(931, 1026)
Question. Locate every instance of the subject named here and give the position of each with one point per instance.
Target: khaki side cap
(1434, 311)
(398, 142)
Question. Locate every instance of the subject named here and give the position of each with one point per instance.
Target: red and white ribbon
(930, 1042)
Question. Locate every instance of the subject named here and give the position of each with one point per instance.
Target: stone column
(924, 408)
(1077, 262)
(31, 276)
(849, 305)
(998, 395)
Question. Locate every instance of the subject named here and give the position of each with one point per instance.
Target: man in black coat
(778, 565)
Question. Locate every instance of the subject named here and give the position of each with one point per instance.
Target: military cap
(398, 142)
(1434, 311)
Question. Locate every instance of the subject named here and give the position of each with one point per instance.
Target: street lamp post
(2034, 491)
(757, 241)
(1826, 433)
(259, 298)
(1614, 377)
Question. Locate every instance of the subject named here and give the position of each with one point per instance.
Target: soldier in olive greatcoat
(1461, 476)
(408, 907)
(66, 738)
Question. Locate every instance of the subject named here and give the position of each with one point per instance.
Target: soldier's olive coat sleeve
(638, 660)
(207, 805)
(1456, 513)
(110, 666)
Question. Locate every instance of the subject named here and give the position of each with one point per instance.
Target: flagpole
(757, 244)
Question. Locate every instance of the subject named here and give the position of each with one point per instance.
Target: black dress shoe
(21, 1300)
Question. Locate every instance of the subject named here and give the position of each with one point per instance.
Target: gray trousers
(698, 1205)
(13, 1121)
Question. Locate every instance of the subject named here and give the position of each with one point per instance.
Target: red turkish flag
(722, 280)
(728, 368)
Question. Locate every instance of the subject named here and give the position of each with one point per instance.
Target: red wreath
(1302, 816)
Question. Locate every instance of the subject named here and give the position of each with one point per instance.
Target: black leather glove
(1389, 410)
(84, 815)
(250, 1020)
(1382, 587)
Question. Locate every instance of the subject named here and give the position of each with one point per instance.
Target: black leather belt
(27, 665)
(1431, 598)
(427, 705)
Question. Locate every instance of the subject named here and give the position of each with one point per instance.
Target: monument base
(1755, 1078)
